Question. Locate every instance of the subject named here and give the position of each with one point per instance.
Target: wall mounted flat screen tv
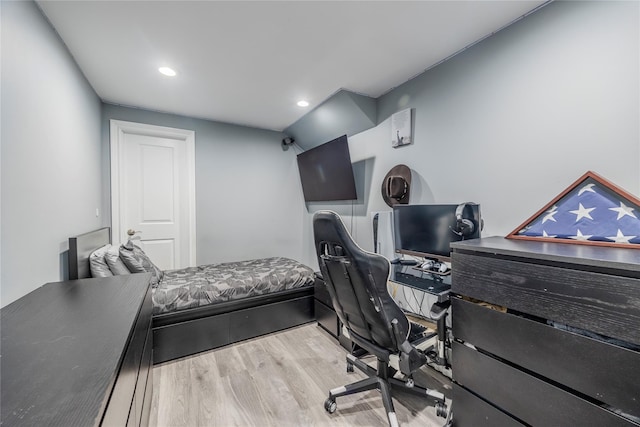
(326, 172)
(427, 230)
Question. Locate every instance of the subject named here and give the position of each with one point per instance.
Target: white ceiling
(249, 62)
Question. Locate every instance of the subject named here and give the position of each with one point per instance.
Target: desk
(431, 283)
(78, 353)
(434, 293)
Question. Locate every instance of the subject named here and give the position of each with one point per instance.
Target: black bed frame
(192, 331)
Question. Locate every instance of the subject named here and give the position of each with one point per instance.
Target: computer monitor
(427, 230)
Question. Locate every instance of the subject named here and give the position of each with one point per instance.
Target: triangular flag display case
(591, 211)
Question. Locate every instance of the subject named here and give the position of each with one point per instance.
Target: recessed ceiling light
(167, 71)
(303, 103)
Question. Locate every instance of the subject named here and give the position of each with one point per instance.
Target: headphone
(464, 227)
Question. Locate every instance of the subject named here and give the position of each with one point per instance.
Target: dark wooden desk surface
(588, 257)
(62, 346)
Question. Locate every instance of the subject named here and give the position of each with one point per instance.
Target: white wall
(515, 119)
(51, 152)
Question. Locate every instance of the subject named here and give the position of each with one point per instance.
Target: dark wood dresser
(546, 334)
(78, 353)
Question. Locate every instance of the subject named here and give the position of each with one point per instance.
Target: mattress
(210, 284)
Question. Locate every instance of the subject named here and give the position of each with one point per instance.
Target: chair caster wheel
(441, 410)
(349, 367)
(330, 405)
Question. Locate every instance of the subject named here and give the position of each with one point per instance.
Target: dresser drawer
(143, 387)
(251, 323)
(528, 398)
(472, 411)
(604, 303)
(564, 357)
(146, 404)
(122, 401)
(198, 335)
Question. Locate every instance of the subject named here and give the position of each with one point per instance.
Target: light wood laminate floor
(281, 379)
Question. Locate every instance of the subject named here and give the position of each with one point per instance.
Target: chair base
(382, 379)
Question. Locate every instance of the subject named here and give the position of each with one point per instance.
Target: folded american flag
(591, 211)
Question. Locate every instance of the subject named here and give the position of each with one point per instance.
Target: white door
(153, 191)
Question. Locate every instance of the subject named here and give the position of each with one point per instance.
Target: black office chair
(357, 283)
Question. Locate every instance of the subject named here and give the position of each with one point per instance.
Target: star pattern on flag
(588, 187)
(582, 212)
(590, 211)
(623, 210)
(549, 216)
(621, 238)
(580, 236)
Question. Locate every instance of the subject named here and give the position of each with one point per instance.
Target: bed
(204, 307)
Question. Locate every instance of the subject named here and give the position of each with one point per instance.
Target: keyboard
(426, 283)
(419, 333)
(417, 328)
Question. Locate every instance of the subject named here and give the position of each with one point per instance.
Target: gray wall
(515, 119)
(249, 200)
(564, 80)
(55, 166)
(51, 152)
(344, 113)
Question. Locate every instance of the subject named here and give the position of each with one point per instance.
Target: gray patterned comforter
(209, 284)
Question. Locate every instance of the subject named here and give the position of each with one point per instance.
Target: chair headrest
(328, 227)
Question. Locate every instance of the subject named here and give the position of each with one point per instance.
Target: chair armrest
(439, 309)
(410, 358)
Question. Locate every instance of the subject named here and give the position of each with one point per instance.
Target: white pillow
(97, 264)
(117, 267)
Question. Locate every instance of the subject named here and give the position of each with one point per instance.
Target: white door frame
(118, 129)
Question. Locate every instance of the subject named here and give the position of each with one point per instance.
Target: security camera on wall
(286, 142)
